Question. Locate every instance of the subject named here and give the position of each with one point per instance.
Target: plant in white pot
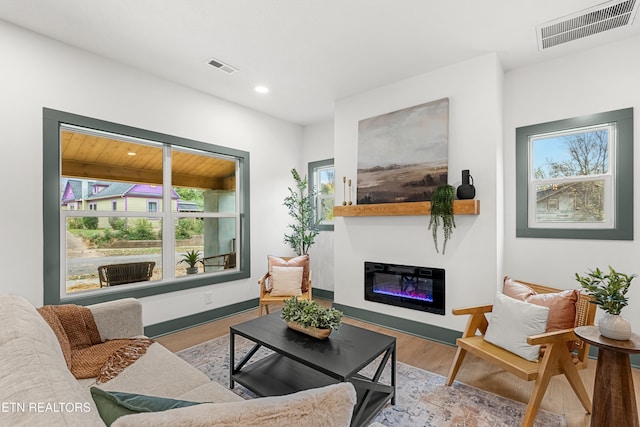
(609, 292)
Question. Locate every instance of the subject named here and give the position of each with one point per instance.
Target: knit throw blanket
(87, 356)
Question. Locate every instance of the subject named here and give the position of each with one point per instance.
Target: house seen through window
(572, 177)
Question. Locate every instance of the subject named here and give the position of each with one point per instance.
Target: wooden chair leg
(547, 367)
(570, 371)
(260, 311)
(455, 366)
(266, 307)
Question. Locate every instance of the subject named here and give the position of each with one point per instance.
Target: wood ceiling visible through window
(94, 157)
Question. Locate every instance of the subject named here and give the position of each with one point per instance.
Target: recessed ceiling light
(131, 153)
(261, 89)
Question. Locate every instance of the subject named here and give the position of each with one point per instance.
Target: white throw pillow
(286, 281)
(512, 321)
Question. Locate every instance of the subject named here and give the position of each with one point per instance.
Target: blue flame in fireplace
(405, 286)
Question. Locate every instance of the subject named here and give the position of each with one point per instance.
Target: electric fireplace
(418, 288)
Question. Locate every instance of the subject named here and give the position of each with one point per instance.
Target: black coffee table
(301, 362)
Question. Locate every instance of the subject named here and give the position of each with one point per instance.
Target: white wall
(594, 81)
(38, 72)
(318, 145)
(474, 89)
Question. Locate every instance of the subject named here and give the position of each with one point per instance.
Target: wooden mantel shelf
(460, 207)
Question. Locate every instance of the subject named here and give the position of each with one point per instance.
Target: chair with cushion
(286, 277)
(529, 332)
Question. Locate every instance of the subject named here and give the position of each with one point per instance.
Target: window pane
(213, 238)
(571, 202)
(103, 195)
(203, 182)
(92, 242)
(326, 193)
(581, 152)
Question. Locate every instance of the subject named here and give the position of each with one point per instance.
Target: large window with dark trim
(574, 178)
(130, 212)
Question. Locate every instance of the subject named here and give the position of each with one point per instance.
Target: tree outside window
(322, 179)
(574, 177)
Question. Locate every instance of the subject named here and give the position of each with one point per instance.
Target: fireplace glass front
(418, 288)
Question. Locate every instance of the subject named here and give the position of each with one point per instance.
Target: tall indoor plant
(305, 226)
(442, 211)
(609, 292)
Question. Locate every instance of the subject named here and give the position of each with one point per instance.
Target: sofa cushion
(35, 375)
(118, 319)
(327, 406)
(176, 375)
(112, 404)
(19, 318)
(210, 392)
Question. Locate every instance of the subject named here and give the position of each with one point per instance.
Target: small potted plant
(191, 258)
(311, 318)
(609, 293)
(442, 210)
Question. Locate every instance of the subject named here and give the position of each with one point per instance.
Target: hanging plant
(442, 210)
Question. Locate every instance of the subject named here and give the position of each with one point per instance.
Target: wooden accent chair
(265, 287)
(555, 357)
(119, 274)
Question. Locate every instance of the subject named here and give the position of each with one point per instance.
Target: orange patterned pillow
(299, 261)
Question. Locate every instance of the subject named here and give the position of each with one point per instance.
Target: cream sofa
(37, 389)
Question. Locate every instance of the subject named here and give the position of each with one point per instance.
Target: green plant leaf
(299, 203)
(311, 314)
(608, 290)
(442, 210)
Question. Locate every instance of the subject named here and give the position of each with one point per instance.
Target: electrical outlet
(208, 297)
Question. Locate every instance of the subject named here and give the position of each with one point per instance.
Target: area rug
(423, 399)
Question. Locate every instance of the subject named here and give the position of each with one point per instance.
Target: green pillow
(114, 404)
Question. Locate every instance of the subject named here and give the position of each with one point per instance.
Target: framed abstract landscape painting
(403, 155)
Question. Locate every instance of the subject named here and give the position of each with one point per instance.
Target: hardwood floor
(434, 357)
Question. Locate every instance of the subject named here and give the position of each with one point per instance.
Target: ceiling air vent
(222, 66)
(586, 23)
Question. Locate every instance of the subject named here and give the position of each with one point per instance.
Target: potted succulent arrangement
(311, 318)
(192, 259)
(304, 229)
(442, 211)
(609, 293)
